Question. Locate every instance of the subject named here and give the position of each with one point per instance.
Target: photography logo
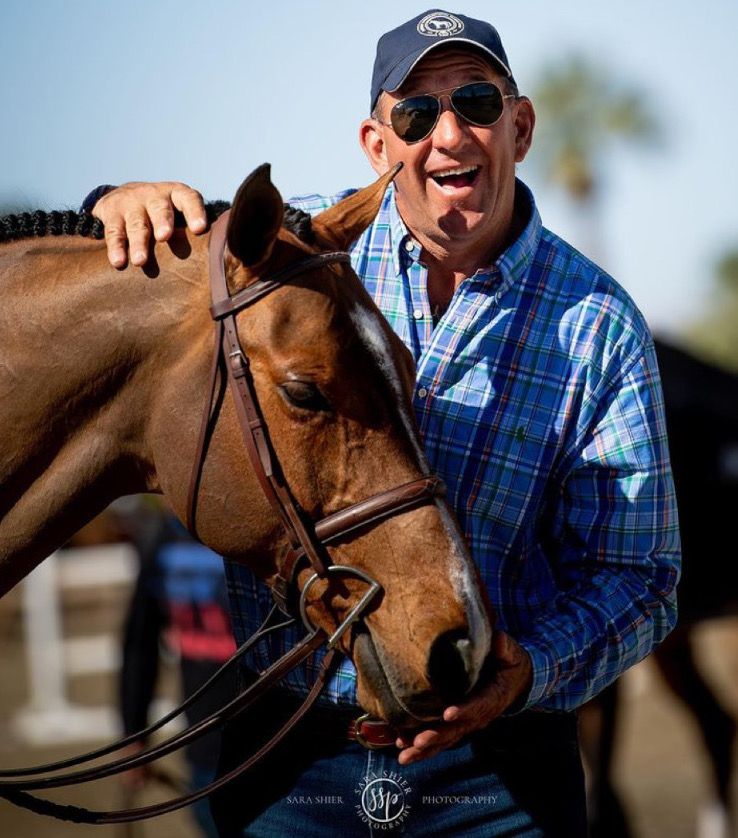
(383, 800)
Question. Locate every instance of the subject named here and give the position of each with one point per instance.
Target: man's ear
(525, 121)
(371, 139)
(255, 219)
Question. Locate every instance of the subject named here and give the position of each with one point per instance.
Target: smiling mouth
(456, 178)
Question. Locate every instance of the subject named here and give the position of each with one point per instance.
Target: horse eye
(305, 394)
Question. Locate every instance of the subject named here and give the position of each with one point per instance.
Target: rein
(17, 791)
(307, 540)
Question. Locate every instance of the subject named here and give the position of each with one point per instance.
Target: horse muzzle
(406, 699)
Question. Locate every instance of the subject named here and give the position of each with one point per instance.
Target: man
(538, 399)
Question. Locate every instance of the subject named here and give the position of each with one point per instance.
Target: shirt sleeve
(93, 197)
(614, 549)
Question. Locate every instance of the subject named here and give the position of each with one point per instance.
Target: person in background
(180, 603)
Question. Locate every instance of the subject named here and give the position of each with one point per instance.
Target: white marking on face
(464, 580)
(369, 327)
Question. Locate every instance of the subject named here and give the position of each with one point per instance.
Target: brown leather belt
(529, 729)
(343, 724)
(373, 734)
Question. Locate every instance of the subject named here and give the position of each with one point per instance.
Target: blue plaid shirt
(539, 403)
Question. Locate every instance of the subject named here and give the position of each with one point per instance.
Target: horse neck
(84, 351)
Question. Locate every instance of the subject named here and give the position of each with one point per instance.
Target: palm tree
(715, 335)
(582, 111)
(727, 272)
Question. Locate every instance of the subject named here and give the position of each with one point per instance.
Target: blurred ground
(660, 767)
(662, 772)
(82, 616)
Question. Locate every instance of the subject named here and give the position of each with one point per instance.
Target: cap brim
(399, 73)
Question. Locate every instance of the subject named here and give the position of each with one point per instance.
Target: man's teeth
(456, 172)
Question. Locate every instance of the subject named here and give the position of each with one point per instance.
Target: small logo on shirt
(440, 25)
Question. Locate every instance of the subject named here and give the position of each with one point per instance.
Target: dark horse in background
(702, 418)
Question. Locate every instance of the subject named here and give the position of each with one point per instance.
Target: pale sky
(203, 92)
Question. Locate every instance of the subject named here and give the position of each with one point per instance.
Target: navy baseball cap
(399, 50)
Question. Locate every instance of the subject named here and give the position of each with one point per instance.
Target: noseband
(307, 540)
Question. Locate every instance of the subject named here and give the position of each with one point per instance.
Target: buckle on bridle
(356, 611)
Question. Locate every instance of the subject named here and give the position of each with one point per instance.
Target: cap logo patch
(440, 25)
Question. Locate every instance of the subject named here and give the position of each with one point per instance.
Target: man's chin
(461, 225)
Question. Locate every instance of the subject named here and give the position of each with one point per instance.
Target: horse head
(116, 406)
(334, 386)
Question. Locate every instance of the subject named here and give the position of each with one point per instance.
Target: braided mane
(24, 225)
(300, 223)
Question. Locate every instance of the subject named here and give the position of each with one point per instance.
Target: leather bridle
(307, 540)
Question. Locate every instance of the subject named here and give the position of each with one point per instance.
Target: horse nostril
(450, 665)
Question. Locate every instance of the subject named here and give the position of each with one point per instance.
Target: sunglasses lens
(413, 119)
(480, 103)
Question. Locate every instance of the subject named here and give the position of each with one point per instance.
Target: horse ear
(255, 219)
(340, 225)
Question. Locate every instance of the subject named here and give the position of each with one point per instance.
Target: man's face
(456, 189)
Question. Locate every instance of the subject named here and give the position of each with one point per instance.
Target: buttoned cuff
(544, 675)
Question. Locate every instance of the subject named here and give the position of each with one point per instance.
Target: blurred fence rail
(50, 715)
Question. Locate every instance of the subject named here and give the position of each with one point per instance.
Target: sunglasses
(479, 103)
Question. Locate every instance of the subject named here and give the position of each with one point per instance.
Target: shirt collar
(399, 234)
(513, 263)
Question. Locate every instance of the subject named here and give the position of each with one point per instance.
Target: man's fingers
(410, 755)
(131, 211)
(427, 738)
(508, 682)
(161, 214)
(426, 744)
(190, 203)
(139, 232)
(116, 241)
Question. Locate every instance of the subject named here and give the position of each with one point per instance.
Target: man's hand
(510, 681)
(131, 211)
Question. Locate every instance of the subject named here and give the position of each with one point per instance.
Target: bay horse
(103, 375)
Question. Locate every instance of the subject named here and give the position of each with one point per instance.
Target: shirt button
(418, 314)
(409, 245)
(422, 393)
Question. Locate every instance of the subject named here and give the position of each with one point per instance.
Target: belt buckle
(370, 746)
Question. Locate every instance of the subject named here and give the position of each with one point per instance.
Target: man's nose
(450, 128)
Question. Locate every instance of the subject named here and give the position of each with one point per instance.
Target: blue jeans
(523, 777)
(201, 775)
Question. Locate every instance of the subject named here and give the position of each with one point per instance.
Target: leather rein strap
(17, 791)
